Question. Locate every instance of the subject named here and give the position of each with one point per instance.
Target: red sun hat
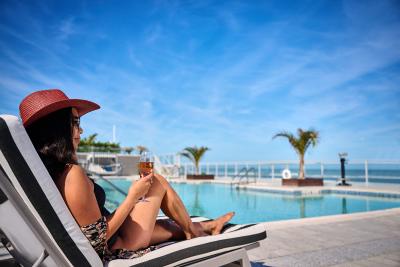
(41, 103)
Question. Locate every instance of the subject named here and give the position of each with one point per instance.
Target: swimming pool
(211, 200)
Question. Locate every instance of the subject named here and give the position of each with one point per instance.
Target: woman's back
(78, 193)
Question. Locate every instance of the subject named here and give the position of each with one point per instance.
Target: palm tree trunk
(197, 168)
(301, 169)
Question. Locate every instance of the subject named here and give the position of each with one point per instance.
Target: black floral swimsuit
(96, 233)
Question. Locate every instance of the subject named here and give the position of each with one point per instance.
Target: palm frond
(302, 141)
(291, 138)
(91, 138)
(187, 155)
(141, 149)
(194, 154)
(283, 134)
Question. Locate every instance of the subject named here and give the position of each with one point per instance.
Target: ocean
(378, 173)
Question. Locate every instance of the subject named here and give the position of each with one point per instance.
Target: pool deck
(359, 239)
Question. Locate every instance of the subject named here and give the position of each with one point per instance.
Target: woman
(52, 121)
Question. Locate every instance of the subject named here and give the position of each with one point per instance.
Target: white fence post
(226, 169)
(216, 169)
(366, 172)
(236, 168)
(259, 171)
(322, 170)
(185, 170)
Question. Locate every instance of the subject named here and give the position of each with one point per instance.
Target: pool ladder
(243, 177)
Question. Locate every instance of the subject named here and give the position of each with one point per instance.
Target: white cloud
(67, 28)
(153, 34)
(134, 58)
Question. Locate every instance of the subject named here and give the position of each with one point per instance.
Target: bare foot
(196, 230)
(206, 228)
(220, 222)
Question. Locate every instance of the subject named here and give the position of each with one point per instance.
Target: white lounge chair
(40, 230)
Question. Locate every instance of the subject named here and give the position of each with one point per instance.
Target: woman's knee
(157, 188)
(144, 241)
(163, 181)
(140, 241)
(159, 176)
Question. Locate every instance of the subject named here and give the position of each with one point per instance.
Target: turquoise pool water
(212, 200)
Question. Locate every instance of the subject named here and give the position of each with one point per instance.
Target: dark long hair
(52, 139)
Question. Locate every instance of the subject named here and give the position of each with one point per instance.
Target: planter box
(303, 182)
(200, 176)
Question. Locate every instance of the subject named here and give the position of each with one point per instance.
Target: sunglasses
(76, 121)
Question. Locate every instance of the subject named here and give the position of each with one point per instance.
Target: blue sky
(222, 74)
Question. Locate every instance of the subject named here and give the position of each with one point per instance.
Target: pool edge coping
(330, 218)
(304, 191)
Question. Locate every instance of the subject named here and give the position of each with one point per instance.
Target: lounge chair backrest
(33, 215)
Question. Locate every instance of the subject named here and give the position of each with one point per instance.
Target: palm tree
(89, 144)
(129, 149)
(89, 141)
(141, 149)
(301, 143)
(194, 154)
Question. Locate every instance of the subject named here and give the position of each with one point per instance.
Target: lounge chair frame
(27, 216)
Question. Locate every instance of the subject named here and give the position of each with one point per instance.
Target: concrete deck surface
(358, 239)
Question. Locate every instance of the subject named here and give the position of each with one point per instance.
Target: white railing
(168, 168)
(170, 159)
(366, 171)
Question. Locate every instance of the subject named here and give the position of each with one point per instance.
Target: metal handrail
(100, 177)
(247, 175)
(244, 175)
(244, 169)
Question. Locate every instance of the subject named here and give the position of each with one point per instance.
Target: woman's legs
(137, 230)
(165, 230)
(141, 229)
(173, 207)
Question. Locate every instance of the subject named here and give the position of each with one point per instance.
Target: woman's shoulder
(77, 190)
(75, 175)
(74, 169)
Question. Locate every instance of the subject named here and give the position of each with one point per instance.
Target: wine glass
(146, 164)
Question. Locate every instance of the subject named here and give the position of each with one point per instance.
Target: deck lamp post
(342, 157)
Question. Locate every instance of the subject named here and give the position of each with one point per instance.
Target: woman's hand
(140, 187)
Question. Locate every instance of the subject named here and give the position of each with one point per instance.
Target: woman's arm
(81, 200)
